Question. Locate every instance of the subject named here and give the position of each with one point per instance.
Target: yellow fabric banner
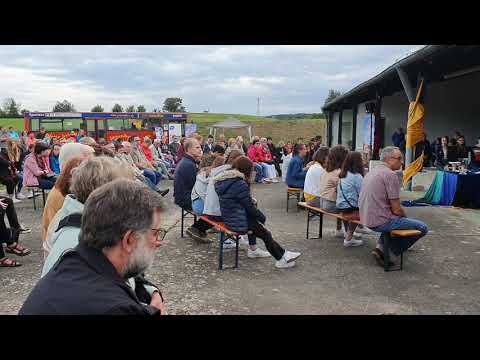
(416, 113)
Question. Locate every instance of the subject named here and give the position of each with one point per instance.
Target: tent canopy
(231, 124)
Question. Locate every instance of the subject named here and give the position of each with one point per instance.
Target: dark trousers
(47, 184)
(200, 225)
(9, 183)
(258, 230)
(8, 236)
(277, 167)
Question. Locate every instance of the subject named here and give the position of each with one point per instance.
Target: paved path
(441, 274)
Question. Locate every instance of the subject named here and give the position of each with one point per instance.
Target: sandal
(18, 250)
(6, 262)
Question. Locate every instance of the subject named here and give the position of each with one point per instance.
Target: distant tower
(258, 106)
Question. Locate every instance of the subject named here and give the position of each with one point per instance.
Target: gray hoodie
(200, 188)
(212, 204)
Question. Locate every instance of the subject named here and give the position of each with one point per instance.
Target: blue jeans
(147, 182)
(46, 183)
(154, 176)
(197, 206)
(264, 169)
(399, 245)
(258, 172)
(20, 181)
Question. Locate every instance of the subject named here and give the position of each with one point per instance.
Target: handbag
(352, 215)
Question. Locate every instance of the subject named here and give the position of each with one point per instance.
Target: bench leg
(288, 197)
(386, 250)
(236, 250)
(43, 196)
(308, 222)
(401, 262)
(181, 226)
(34, 203)
(220, 251)
(320, 226)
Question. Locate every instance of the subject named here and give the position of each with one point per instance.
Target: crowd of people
(443, 150)
(102, 219)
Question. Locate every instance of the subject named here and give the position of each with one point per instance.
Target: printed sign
(368, 130)
(190, 129)
(174, 130)
(123, 135)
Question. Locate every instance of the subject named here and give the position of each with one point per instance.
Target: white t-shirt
(312, 180)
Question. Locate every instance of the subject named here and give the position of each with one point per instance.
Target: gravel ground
(441, 272)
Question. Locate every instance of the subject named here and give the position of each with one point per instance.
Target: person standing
(380, 208)
(208, 147)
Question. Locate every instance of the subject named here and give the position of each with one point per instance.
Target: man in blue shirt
(296, 173)
(13, 133)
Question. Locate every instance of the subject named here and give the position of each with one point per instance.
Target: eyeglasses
(159, 234)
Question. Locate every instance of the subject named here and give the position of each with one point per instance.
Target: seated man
(296, 173)
(114, 245)
(184, 180)
(379, 204)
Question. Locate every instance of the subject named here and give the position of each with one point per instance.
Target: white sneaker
(20, 196)
(243, 240)
(15, 200)
(282, 264)
(258, 253)
(290, 256)
(352, 242)
(229, 244)
(274, 181)
(356, 235)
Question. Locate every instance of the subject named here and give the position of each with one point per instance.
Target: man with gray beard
(114, 245)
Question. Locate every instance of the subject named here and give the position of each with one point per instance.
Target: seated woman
(445, 154)
(240, 214)
(88, 176)
(10, 236)
(35, 172)
(54, 159)
(348, 192)
(311, 188)
(296, 173)
(199, 190)
(329, 183)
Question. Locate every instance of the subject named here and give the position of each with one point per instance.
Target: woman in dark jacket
(240, 214)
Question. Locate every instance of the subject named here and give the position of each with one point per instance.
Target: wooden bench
(313, 211)
(43, 191)
(292, 192)
(223, 234)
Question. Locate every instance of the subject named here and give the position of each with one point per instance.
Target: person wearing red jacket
(252, 155)
(264, 157)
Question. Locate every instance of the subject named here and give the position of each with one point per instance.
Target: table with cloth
(451, 188)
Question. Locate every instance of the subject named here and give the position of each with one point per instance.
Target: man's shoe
(282, 264)
(290, 256)
(163, 192)
(197, 235)
(379, 258)
(24, 230)
(20, 196)
(352, 242)
(15, 200)
(243, 240)
(258, 253)
(229, 244)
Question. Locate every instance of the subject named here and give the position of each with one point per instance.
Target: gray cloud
(222, 78)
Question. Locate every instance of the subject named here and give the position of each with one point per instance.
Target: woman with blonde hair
(88, 176)
(232, 145)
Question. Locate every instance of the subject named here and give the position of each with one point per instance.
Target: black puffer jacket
(236, 203)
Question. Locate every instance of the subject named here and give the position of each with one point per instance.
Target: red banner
(123, 135)
(61, 135)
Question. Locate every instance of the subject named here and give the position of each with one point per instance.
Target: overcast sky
(227, 79)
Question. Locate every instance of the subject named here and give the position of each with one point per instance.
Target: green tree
(141, 108)
(332, 94)
(117, 108)
(130, 108)
(173, 105)
(97, 108)
(24, 111)
(64, 106)
(11, 108)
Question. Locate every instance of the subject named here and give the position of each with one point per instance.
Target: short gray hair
(147, 140)
(95, 172)
(387, 152)
(115, 208)
(189, 143)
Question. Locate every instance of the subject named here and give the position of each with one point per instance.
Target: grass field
(286, 130)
